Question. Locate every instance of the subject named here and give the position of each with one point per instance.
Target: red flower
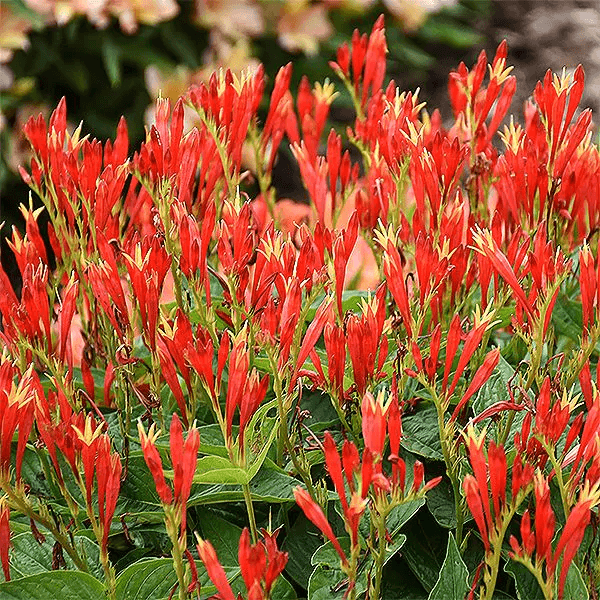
(184, 456)
(484, 372)
(314, 513)
(215, 570)
(260, 565)
(17, 404)
(5, 538)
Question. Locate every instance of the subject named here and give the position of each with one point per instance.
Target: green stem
(559, 476)
(492, 574)
(283, 440)
(380, 557)
(250, 510)
(63, 539)
(177, 548)
(493, 562)
(454, 480)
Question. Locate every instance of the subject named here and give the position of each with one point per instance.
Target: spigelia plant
(388, 392)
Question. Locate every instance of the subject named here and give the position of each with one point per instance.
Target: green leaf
(567, 318)
(28, 557)
(495, 390)
(268, 429)
(423, 550)
(400, 515)
(322, 414)
(223, 535)
(327, 554)
(59, 585)
(301, 543)
(326, 584)
(452, 583)
(283, 590)
(269, 485)
(218, 469)
(440, 502)
(421, 434)
(111, 57)
(575, 588)
(442, 31)
(525, 582)
(148, 579)
(328, 576)
(154, 579)
(138, 492)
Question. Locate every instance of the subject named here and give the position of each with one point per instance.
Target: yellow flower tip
(89, 433)
(325, 92)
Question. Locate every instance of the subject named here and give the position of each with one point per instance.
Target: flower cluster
(463, 381)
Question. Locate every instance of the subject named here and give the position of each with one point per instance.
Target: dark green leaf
(567, 318)
(440, 502)
(421, 433)
(424, 549)
(28, 557)
(575, 588)
(452, 583)
(327, 584)
(111, 56)
(58, 585)
(283, 590)
(301, 543)
(223, 535)
(401, 514)
(148, 579)
(154, 579)
(525, 582)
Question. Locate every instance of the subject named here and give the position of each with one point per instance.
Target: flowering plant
(435, 435)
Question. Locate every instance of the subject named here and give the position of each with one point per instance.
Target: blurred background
(114, 57)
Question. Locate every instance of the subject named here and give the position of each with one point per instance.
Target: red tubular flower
(475, 503)
(253, 563)
(485, 244)
(484, 372)
(334, 468)
(544, 518)
(374, 69)
(314, 513)
(17, 405)
(245, 391)
(108, 482)
(260, 564)
(588, 283)
(94, 457)
(476, 487)
(335, 346)
(276, 559)
(5, 538)
(573, 532)
(374, 417)
(184, 456)
(343, 60)
(350, 462)
(570, 538)
(147, 277)
(367, 344)
(215, 570)
(312, 335)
